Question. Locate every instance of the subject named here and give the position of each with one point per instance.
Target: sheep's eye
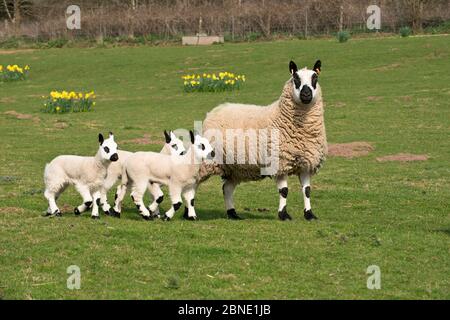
(106, 149)
(175, 147)
(202, 146)
(314, 80)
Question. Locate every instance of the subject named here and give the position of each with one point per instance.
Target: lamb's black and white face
(202, 147)
(108, 148)
(175, 145)
(305, 83)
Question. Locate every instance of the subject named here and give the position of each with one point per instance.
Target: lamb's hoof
(147, 218)
(185, 214)
(283, 215)
(95, 217)
(231, 213)
(57, 213)
(309, 215)
(113, 213)
(194, 218)
(76, 211)
(166, 218)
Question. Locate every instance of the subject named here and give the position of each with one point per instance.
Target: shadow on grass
(203, 214)
(443, 230)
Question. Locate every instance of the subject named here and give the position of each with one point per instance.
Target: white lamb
(173, 146)
(87, 174)
(179, 173)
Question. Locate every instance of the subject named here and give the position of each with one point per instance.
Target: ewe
(173, 146)
(87, 174)
(179, 173)
(301, 144)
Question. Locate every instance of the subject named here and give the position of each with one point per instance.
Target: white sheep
(299, 141)
(179, 173)
(173, 146)
(87, 174)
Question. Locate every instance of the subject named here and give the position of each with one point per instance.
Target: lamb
(87, 174)
(172, 146)
(298, 139)
(179, 173)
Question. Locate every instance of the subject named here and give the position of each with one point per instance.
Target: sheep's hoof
(76, 211)
(231, 213)
(309, 215)
(166, 218)
(95, 217)
(185, 214)
(194, 218)
(284, 215)
(57, 213)
(113, 213)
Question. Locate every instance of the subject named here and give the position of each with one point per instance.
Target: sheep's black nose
(114, 157)
(306, 94)
(213, 154)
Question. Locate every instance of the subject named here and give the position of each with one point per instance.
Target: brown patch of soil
(22, 116)
(4, 210)
(387, 67)
(67, 208)
(145, 140)
(16, 51)
(374, 98)
(61, 124)
(350, 150)
(403, 157)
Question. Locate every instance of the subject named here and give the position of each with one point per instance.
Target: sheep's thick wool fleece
(302, 137)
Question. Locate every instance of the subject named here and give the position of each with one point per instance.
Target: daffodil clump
(13, 72)
(224, 81)
(63, 102)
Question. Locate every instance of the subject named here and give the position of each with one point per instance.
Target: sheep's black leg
(228, 190)
(283, 191)
(305, 179)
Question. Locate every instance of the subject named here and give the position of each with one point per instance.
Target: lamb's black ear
(318, 66)
(167, 136)
(292, 67)
(192, 136)
(100, 138)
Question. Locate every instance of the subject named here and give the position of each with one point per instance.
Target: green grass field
(393, 93)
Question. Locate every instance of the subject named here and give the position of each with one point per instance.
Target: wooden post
(341, 18)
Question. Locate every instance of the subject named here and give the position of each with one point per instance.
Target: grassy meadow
(392, 93)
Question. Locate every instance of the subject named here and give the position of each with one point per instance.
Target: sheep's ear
(318, 66)
(100, 138)
(111, 135)
(167, 136)
(192, 136)
(292, 67)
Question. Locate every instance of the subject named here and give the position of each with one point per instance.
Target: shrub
(343, 36)
(405, 32)
(64, 102)
(225, 81)
(13, 73)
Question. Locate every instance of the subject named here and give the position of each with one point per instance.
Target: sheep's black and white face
(175, 145)
(305, 83)
(202, 147)
(108, 148)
